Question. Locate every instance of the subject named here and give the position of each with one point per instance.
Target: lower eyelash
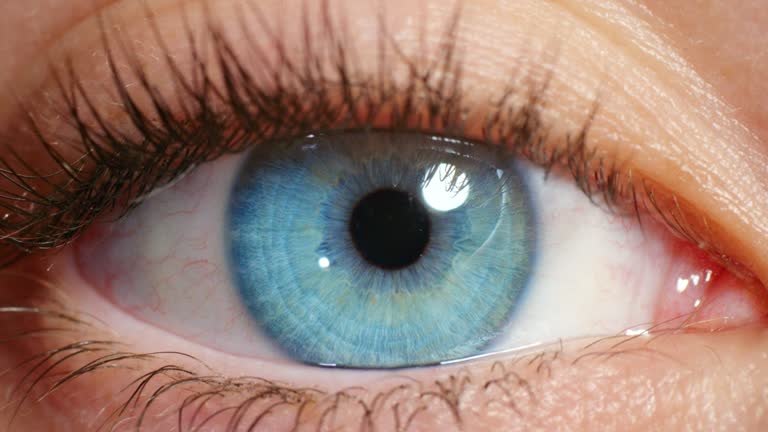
(59, 353)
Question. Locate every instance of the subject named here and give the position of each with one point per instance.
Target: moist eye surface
(379, 250)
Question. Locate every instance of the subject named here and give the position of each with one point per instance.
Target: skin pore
(681, 91)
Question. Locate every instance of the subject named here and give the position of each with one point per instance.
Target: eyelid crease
(116, 167)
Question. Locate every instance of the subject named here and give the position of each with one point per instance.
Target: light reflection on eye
(591, 275)
(169, 263)
(530, 262)
(443, 190)
(410, 284)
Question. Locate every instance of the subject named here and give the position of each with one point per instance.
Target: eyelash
(119, 167)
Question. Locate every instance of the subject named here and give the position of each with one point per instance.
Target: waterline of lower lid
(446, 362)
(490, 354)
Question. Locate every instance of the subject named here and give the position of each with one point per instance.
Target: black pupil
(390, 228)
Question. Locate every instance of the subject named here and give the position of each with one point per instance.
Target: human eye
(343, 216)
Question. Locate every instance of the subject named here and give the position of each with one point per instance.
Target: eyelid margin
(530, 389)
(612, 177)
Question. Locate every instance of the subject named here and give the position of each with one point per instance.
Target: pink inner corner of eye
(701, 294)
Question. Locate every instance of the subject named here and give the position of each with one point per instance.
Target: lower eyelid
(523, 390)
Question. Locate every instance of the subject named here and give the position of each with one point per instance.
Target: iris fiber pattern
(307, 287)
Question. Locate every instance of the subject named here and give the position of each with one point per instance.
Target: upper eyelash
(201, 120)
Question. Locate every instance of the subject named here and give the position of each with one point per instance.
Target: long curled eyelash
(229, 104)
(159, 140)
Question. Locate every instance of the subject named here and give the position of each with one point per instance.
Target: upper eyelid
(93, 121)
(575, 102)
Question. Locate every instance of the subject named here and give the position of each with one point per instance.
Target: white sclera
(593, 273)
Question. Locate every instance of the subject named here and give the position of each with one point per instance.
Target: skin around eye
(655, 382)
(646, 132)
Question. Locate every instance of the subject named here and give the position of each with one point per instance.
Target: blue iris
(325, 277)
